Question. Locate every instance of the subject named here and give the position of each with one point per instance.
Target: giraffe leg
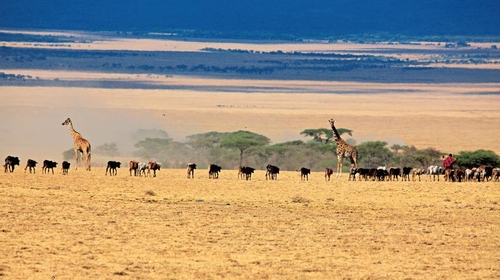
(339, 167)
(76, 160)
(87, 162)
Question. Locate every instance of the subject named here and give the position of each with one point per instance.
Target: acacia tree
(324, 135)
(108, 149)
(374, 153)
(477, 158)
(150, 148)
(242, 141)
(205, 141)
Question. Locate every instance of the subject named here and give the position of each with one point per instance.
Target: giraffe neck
(73, 132)
(336, 136)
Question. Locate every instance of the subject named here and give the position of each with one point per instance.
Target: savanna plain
(88, 225)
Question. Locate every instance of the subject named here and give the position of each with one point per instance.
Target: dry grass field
(448, 117)
(88, 225)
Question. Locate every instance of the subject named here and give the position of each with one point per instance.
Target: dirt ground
(88, 225)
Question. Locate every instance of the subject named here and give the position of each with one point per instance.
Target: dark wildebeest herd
(431, 173)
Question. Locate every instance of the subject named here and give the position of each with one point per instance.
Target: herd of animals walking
(82, 147)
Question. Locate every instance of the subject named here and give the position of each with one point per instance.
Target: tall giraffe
(344, 150)
(80, 144)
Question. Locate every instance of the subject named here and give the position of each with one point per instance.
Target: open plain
(448, 117)
(88, 225)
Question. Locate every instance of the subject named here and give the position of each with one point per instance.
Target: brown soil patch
(87, 225)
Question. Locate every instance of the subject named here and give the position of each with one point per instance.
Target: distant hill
(272, 19)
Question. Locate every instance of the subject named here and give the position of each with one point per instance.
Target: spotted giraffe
(344, 150)
(80, 144)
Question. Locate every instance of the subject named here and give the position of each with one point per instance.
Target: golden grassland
(448, 117)
(88, 225)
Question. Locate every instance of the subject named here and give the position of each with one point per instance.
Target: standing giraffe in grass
(344, 150)
(80, 144)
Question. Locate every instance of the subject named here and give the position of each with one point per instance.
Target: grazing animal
(373, 174)
(394, 173)
(449, 175)
(304, 173)
(80, 144)
(31, 164)
(469, 174)
(48, 164)
(417, 172)
(459, 175)
(485, 172)
(352, 174)
(213, 171)
(488, 172)
(362, 173)
(10, 163)
(406, 173)
(133, 165)
(65, 167)
(344, 150)
(153, 166)
(190, 170)
(245, 171)
(112, 166)
(272, 172)
(142, 166)
(434, 171)
(328, 173)
(382, 174)
(495, 174)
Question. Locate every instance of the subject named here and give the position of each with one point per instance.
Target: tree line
(246, 148)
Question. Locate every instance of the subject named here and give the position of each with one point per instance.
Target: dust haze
(37, 132)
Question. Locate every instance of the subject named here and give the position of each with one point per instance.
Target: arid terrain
(88, 225)
(450, 118)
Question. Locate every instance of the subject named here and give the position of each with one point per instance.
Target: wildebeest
(10, 163)
(142, 166)
(153, 166)
(406, 173)
(31, 164)
(133, 165)
(328, 173)
(213, 171)
(48, 164)
(190, 170)
(65, 167)
(245, 171)
(272, 172)
(304, 173)
(112, 166)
